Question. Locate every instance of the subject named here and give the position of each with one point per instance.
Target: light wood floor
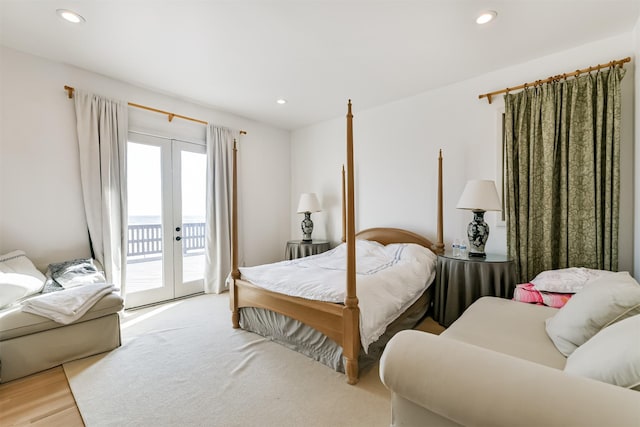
(42, 399)
(430, 325)
(45, 399)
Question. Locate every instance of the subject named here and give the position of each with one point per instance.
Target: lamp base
(478, 233)
(477, 255)
(307, 227)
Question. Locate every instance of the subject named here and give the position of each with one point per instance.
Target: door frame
(171, 217)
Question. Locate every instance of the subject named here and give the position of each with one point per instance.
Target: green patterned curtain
(562, 174)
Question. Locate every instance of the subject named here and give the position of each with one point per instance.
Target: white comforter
(388, 280)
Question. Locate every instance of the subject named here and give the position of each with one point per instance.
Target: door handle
(178, 238)
(177, 228)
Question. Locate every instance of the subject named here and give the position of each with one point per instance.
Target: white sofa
(496, 366)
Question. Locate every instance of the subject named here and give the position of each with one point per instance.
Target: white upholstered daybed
(30, 343)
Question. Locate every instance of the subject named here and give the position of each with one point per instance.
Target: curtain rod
(558, 77)
(170, 115)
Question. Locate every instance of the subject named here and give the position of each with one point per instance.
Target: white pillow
(19, 278)
(566, 280)
(14, 287)
(17, 262)
(611, 356)
(601, 302)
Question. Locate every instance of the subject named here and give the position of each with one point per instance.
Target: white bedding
(388, 280)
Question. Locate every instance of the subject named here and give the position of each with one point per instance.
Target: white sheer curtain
(219, 191)
(102, 141)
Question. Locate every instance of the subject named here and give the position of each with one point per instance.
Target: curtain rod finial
(69, 90)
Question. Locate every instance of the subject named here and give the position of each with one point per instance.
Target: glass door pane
(149, 276)
(191, 199)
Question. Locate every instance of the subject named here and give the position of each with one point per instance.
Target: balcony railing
(144, 240)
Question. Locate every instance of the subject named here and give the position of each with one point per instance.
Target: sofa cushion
(600, 303)
(14, 287)
(19, 278)
(611, 356)
(14, 322)
(17, 262)
(509, 327)
(566, 280)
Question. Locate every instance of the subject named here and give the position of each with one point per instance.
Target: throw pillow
(69, 274)
(19, 278)
(601, 302)
(51, 285)
(17, 262)
(14, 287)
(566, 280)
(611, 356)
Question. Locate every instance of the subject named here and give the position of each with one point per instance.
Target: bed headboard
(391, 235)
(385, 236)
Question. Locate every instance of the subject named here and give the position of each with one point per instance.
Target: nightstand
(299, 249)
(462, 280)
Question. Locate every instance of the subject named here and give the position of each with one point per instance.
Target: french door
(166, 184)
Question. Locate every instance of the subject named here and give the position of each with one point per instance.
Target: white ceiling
(240, 56)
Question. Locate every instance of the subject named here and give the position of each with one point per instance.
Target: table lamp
(308, 203)
(479, 196)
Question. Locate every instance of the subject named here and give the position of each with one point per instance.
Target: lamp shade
(308, 203)
(481, 195)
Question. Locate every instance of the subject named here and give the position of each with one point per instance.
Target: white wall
(396, 148)
(41, 207)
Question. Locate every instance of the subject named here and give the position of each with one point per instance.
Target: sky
(144, 181)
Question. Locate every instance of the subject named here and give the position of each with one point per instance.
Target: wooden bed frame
(339, 322)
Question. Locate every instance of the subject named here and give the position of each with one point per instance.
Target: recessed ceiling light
(70, 16)
(281, 101)
(486, 17)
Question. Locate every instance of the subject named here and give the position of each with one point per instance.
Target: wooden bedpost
(351, 337)
(344, 210)
(438, 247)
(235, 272)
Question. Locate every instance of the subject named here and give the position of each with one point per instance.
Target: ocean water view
(156, 219)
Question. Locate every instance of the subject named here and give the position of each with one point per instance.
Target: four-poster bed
(337, 321)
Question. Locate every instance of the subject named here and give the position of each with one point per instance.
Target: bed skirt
(306, 340)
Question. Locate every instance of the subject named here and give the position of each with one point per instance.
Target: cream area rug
(182, 364)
